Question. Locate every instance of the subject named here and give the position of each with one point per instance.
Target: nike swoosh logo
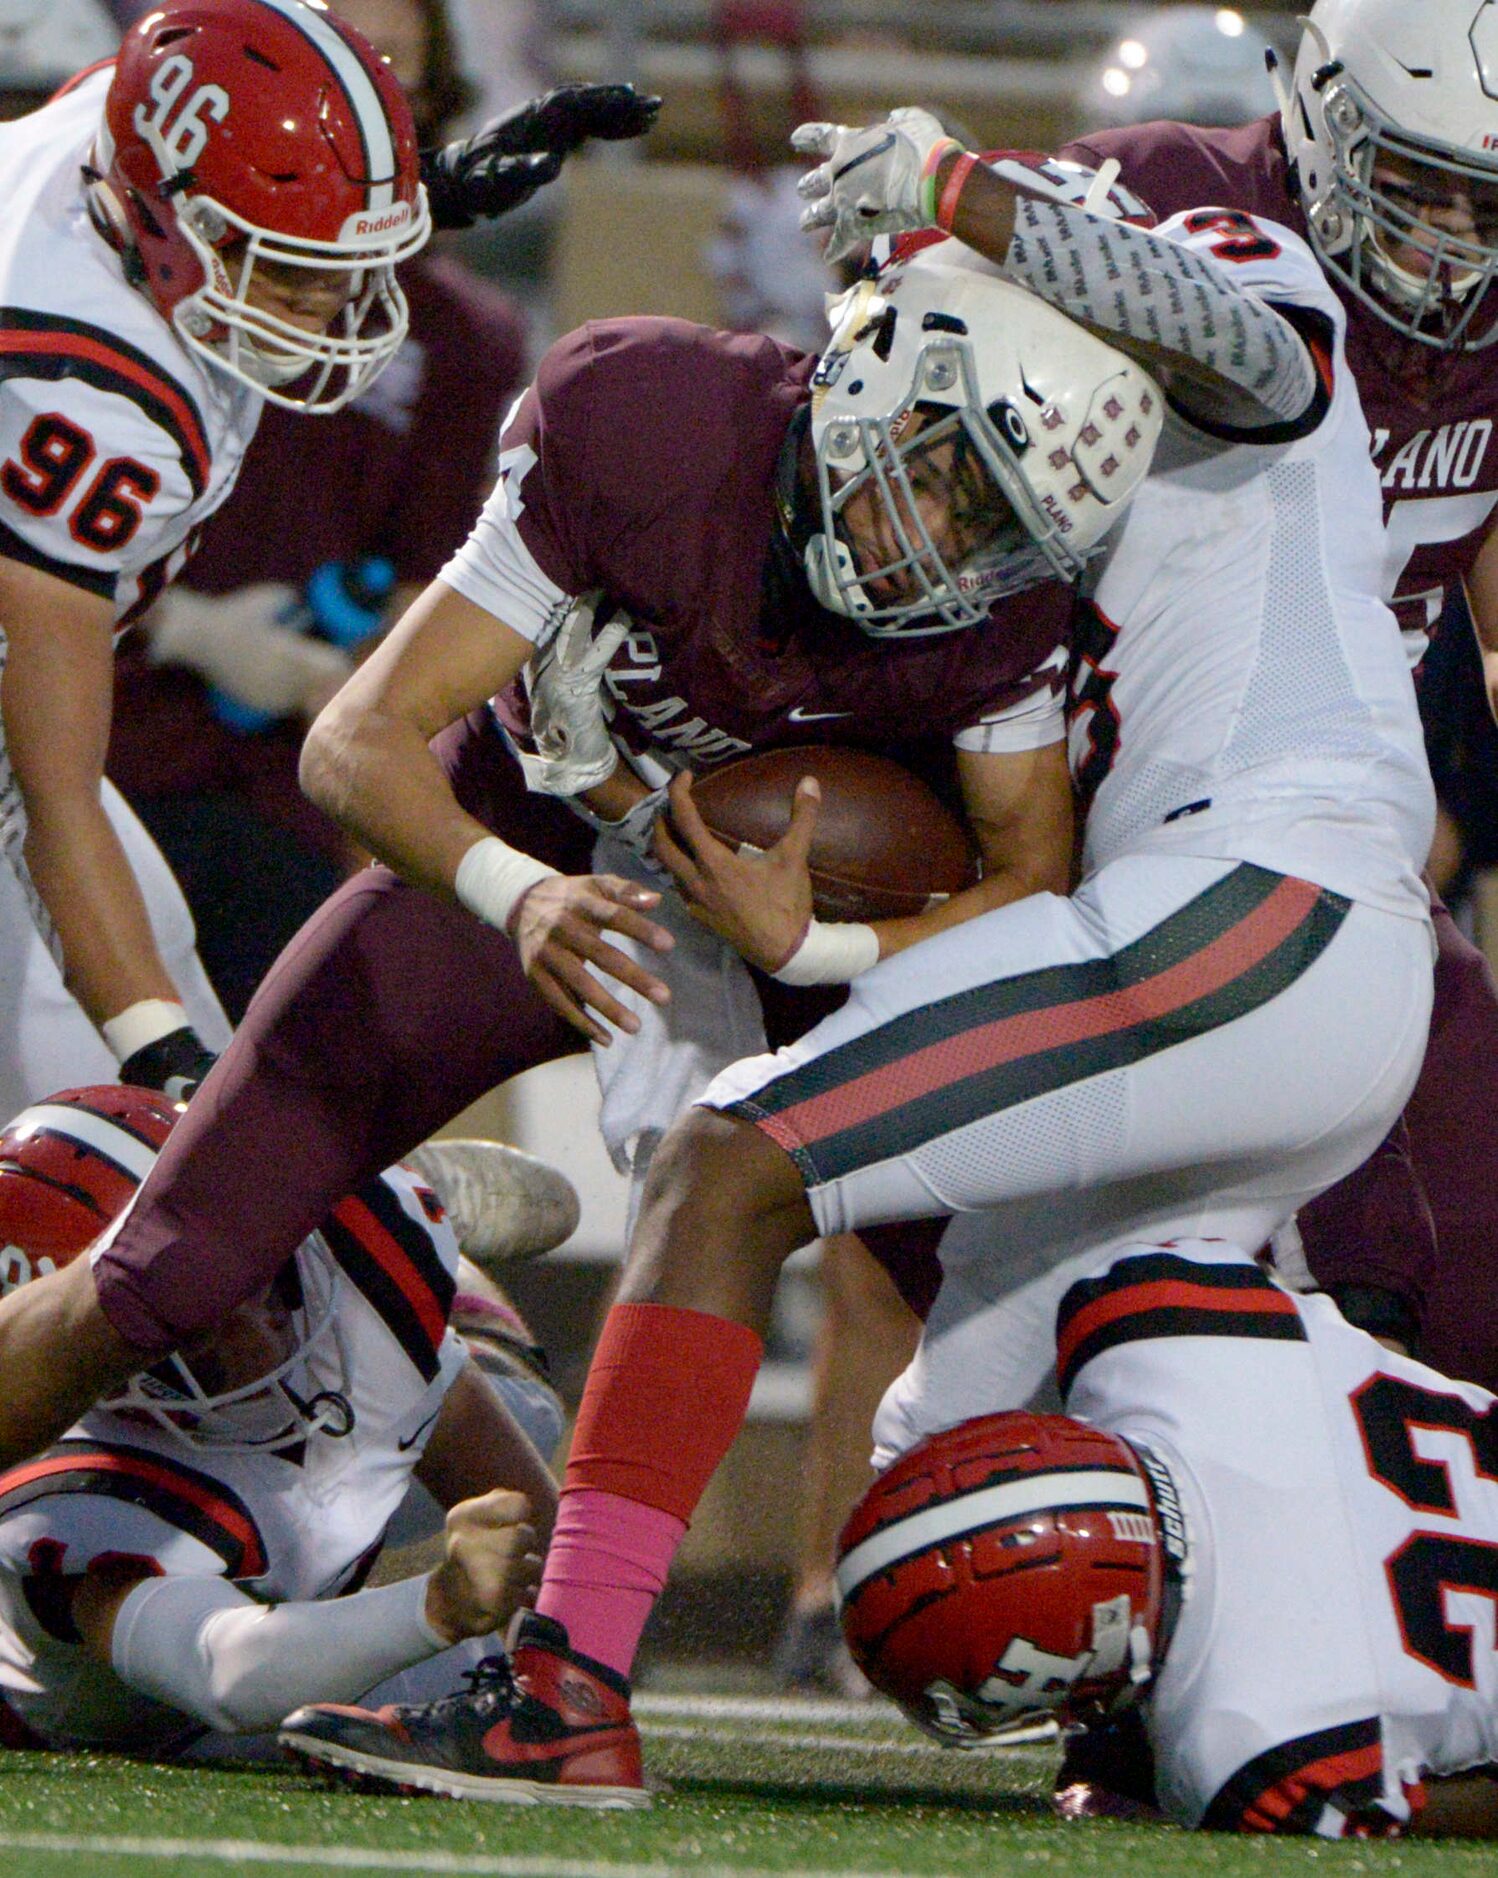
(798, 716)
(404, 1447)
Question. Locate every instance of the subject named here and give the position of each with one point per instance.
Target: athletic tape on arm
(1137, 285)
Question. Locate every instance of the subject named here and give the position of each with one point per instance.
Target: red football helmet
(1012, 1567)
(68, 1168)
(245, 132)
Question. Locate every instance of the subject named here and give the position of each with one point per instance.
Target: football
(885, 845)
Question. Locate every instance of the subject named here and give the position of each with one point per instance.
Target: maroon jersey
(1431, 414)
(644, 461)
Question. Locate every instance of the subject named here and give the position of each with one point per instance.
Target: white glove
(574, 750)
(871, 183)
(234, 642)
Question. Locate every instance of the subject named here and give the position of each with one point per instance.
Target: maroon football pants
(1374, 1229)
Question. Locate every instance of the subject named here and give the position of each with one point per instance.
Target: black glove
(562, 119)
(504, 164)
(175, 1064)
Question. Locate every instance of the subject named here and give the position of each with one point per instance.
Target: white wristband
(138, 1024)
(832, 953)
(492, 876)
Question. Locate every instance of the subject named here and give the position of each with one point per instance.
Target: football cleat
(503, 1205)
(545, 1726)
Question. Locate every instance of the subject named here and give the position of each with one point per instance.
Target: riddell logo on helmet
(359, 227)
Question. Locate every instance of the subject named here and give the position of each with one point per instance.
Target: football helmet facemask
(260, 150)
(270, 1377)
(1391, 123)
(969, 442)
(1012, 1568)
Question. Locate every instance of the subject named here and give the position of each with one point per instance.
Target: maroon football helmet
(242, 132)
(1009, 1568)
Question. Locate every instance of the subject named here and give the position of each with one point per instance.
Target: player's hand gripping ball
(885, 845)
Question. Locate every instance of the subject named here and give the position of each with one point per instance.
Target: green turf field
(755, 1788)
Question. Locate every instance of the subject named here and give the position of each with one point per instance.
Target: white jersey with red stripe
(116, 444)
(1337, 1641)
(1239, 689)
(301, 1524)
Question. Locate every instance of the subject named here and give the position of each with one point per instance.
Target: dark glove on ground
(504, 164)
(174, 1064)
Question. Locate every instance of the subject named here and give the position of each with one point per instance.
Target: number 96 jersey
(1336, 1642)
(116, 445)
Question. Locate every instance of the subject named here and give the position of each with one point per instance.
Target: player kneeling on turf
(189, 1556)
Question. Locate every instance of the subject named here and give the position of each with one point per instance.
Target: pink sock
(605, 1568)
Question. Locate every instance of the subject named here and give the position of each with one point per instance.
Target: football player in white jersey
(190, 1556)
(1269, 1538)
(1071, 1073)
(184, 236)
(210, 220)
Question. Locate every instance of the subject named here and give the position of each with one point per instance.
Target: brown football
(884, 845)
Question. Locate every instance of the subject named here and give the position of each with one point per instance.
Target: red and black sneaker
(544, 1725)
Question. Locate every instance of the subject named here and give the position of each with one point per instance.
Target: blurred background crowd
(697, 220)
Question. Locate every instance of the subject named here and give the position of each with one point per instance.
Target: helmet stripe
(117, 1145)
(968, 1512)
(358, 87)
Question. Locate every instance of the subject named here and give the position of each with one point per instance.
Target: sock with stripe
(667, 1392)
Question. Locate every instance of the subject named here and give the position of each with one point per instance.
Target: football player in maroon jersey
(677, 471)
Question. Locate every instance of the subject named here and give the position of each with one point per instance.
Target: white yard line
(780, 1712)
(410, 1859)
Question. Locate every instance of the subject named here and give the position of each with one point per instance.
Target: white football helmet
(1392, 121)
(953, 403)
(1196, 64)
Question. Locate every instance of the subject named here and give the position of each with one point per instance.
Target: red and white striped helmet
(1012, 1567)
(243, 132)
(69, 1168)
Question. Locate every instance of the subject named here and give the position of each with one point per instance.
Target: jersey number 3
(1430, 1565)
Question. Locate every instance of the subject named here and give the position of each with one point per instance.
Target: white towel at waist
(713, 1019)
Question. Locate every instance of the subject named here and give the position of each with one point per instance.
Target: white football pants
(1185, 1048)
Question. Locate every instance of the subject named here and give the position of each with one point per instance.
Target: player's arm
(1482, 599)
(1019, 808)
(56, 699)
(1019, 804)
(476, 1444)
(202, 1645)
(367, 763)
(1225, 353)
